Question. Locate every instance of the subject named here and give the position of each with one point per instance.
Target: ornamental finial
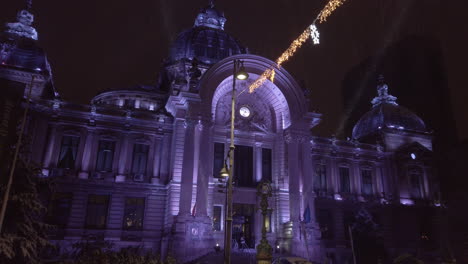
(29, 4)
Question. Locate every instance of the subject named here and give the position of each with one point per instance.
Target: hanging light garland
(310, 32)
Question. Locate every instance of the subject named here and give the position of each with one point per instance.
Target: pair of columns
(196, 167)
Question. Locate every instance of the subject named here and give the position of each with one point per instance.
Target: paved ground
(246, 256)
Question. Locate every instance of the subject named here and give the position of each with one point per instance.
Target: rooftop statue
(23, 27)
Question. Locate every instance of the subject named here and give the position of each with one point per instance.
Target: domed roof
(386, 113)
(24, 54)
(206, 40)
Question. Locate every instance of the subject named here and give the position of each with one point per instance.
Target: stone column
(293, 167)
(86, 159)
(356, 178)
(187, 170)
(378, 179)
(166, 153)
(123, 156)
(334, 175)
(308, 176)
(157, 161)
(204, 168)
(49, 149)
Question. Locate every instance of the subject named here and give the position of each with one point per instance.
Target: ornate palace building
(140, 166)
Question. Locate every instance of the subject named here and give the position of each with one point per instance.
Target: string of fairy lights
(310, 32)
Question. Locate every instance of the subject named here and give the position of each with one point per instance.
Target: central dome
(206, 40)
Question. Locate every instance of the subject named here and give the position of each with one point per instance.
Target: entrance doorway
(243, 224)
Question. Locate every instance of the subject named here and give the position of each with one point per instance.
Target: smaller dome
(24, 54)
(19, 48)
(143, 97)
(386, 114)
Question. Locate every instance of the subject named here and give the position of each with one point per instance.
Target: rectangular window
(218, 159)
(366, 177)
(344, 180)
(266, 164)
(68, 152)
(133, 214)
(140, 158)
(243, 166)
(325, 220)
(321, 177)
(105, 155)
(217, 214)
(58, 210)
(96, 213)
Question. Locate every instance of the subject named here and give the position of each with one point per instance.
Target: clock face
(244, 111)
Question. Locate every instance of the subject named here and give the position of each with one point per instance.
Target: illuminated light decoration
(314, 34)
(405, 201)
(272, 76)
(413, 156)
(338, 197)
(297, 43)
(331, 6)
(311, 31)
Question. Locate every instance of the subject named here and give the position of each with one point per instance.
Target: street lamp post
(264, 250)
(238, 73)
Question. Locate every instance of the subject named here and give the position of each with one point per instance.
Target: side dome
(387, 114)
(19, 48)
(206, 40)
(143, 97)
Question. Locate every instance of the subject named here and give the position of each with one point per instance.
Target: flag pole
(6, 195)
(352, 243)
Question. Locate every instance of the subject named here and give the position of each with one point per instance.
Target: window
(140, 158)
(266, 164)
(68, 151)
(133, 214)
(416, 186)
(325, 220)
(59, 209)
(366, 176)
(96, 213)
(321, 177)
(105, 156)
(243, 166)
(218, 159)
(217, 216)
(344, 180)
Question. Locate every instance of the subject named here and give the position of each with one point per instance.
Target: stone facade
(139, 166)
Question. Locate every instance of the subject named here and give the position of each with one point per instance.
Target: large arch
(285, 94)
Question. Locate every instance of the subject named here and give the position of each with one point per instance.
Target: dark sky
(419, 45)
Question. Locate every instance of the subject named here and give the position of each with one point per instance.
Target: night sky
(420, 47)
